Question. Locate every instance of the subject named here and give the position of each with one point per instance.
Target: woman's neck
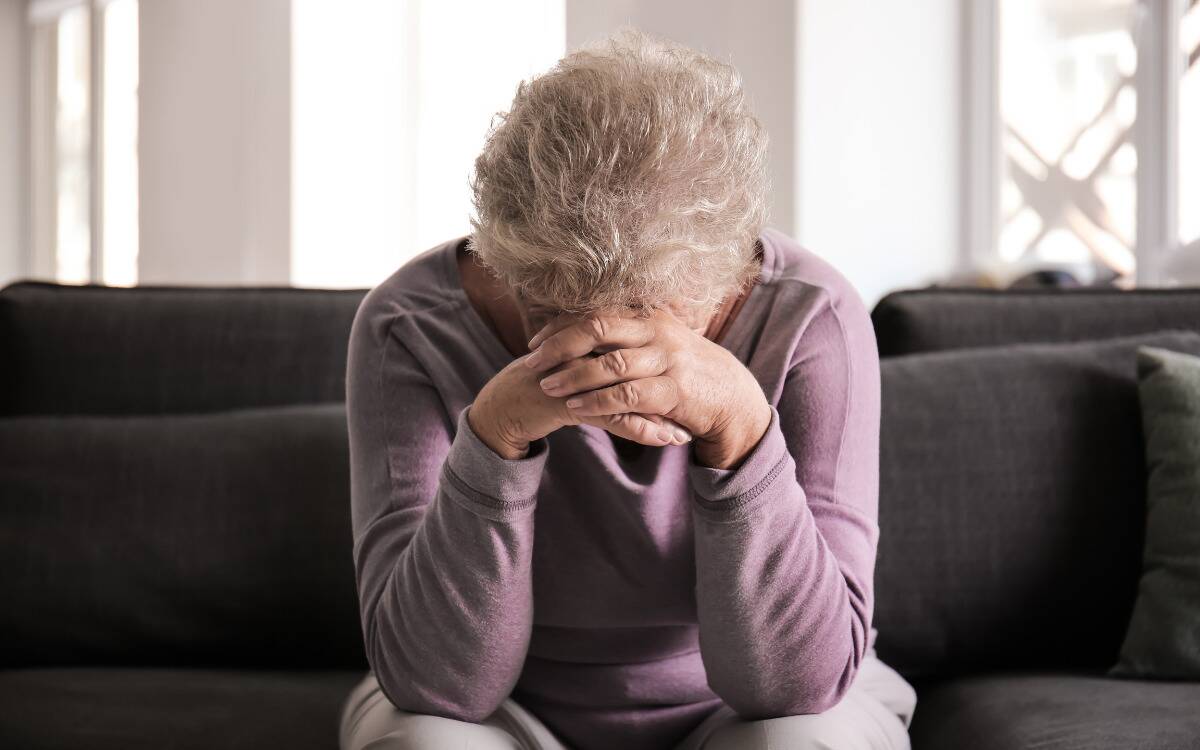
(494, 303)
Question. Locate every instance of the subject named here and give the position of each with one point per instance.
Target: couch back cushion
(1012, 505)
(146, 350)
(205, 539)
(927, 320)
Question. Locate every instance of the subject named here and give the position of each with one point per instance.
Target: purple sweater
(621, 598)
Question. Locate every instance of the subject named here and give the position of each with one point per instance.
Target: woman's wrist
(729, 446)
(487, 429)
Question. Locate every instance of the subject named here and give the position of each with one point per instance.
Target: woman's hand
(512, 411)
(654, 365)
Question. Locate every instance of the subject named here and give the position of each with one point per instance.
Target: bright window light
(120, 138)
(391, 103)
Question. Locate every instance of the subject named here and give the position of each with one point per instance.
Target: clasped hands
(650, 379)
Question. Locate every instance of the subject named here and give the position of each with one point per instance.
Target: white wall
(12, 137)
(879, 139)
(215, 149)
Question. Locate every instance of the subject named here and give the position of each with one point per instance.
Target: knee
(846, 726)
(410, 731)
(370, 722)
(803, 732)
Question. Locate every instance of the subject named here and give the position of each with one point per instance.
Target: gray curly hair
(632, 173)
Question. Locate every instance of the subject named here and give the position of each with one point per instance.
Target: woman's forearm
(783, 612)
(450, 627)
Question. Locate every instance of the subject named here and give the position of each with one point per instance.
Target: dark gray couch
(175, 544)
(1012, 515)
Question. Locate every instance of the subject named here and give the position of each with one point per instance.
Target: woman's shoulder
(420, 283)
(814, 300)
(420, 289)
(807, 275)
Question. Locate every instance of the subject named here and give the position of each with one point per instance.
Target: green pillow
(1163, 639)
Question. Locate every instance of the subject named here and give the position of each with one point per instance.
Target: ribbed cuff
(729, 494)
(495, 486)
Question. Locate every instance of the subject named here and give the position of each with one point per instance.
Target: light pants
(874, 714)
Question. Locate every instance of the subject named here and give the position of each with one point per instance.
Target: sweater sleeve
(443, 536)
(785, 543)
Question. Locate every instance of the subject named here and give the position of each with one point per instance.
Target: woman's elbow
(812, 694)
(409, 695)
(437, 678)
(817, 701)
(409, 687)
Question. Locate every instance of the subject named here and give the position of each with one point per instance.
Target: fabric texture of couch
(175, 564)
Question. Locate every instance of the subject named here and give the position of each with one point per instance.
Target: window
(83, 134)
(389, 111)
(1084, 138)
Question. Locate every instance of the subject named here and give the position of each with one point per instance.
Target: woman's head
(632, 173)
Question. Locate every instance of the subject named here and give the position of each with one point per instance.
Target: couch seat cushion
(128, 709)
(1048, 711)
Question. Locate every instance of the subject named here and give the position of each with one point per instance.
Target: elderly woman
(615, 453)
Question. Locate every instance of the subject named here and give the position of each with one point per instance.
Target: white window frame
(1156, 136)
(43, 94)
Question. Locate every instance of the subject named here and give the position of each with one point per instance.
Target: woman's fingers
(654, 395)
(593, 332)
(647, 429)
(667, 428)
(609, 368)
(556, 324)
(566, 320)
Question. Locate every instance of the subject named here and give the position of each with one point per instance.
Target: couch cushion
(1056, 712)
(217, 539)
(925, 320)
(1012, 505)
(1164, 631)
(130, 709)
(147, 350)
